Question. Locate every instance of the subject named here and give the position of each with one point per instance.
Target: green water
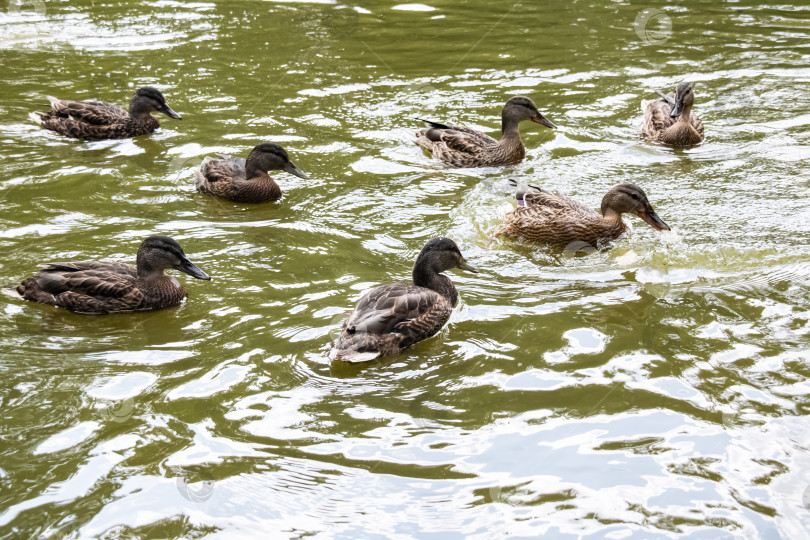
(653, 390)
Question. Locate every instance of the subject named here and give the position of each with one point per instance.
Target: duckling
(96, 121)
(670, 120)
(111, 287)
(392, 317)
(246, 181)
(466, 147)
(546, 218)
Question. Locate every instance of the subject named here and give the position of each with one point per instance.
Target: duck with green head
(95, 121)
(466, 147)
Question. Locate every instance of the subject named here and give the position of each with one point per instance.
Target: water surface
(656, 389)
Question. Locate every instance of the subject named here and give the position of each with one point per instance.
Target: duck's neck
(139, 107)
(612, 217)
(254, 170)
(424, 276)
(148, 273)
(509, 128)
(685, 112)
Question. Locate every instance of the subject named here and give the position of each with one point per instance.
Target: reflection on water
(653, 389)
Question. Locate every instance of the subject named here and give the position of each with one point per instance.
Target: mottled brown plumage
(670, 119)
(95, 287)
(246, 181)
(558, 221)
(466, 147)
(94, 121)
(391, 317)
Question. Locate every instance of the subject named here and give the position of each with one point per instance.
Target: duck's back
(225, 178)
(91, 120)
(559, 221)
(659, 126)
(99, 287)
(461, 146)
(390, 318)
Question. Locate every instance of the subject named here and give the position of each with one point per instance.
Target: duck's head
(520, 108)
(159, 253)
(147, 100)
(441, 254)
(270, 157)
(631, 199)
(684, 98)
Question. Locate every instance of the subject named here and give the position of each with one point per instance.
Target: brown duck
(547, 218)
(246, 181)
(466, 147)
(95, 121)
(670, 119)
(391, 317)
(110, 287)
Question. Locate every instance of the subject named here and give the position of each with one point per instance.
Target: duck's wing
(91, 112)
(656, 117)
(697, 123)
(554, 202)
(386, 308)
(96, 279)
(389, 318)
(85, 287)
(225, 169)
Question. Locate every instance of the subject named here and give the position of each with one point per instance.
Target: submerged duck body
(246, 180)
(561, 222)
(96, 287)
(465, 147)
(95, 121)
(670, 119)
(392, 317)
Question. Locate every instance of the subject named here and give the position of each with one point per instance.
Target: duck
(465, 147)
(392, 317)
(96, 121)
(561, 222)
(670, 119)
(96, 287)
(246, 180)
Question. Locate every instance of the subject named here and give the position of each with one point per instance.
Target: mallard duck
(558, 221)
(466, 147)
(95, 121)
(246, 181)
(391, 317)
(110, 287)
(670, 119)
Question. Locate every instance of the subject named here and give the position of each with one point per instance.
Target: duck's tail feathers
(668, 99)
(523, 189)
(432, 124)
(352, 357)
(12, 291)
(36, 117)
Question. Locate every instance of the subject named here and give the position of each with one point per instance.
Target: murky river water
(652, 390)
